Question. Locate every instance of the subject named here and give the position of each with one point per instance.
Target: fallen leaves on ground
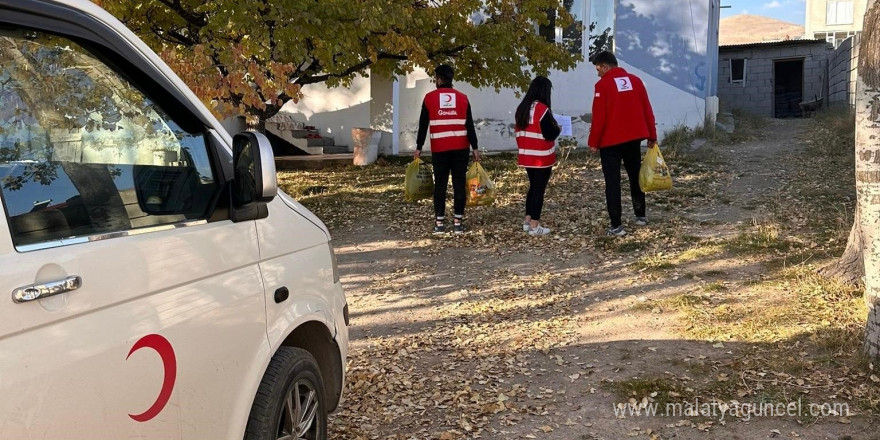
(494, 346)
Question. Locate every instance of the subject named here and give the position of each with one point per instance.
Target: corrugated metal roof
(764, 44)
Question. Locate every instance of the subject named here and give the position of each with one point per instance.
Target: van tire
(291, 369)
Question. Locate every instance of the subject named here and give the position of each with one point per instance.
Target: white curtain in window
(839, 12)
(845, 12)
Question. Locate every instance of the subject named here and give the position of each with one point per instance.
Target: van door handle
(39, 291)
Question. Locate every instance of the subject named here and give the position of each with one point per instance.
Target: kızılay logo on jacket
(623, 84)
(447, 100)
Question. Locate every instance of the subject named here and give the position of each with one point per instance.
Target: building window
(738, 70)
(572, 36)
(838, 12)
(601, 26)
(834, 38)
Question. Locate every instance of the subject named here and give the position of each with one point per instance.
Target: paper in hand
(564, 123)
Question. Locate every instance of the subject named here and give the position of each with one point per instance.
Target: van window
(84, 152)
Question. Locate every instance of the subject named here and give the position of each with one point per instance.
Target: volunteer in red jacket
(536, 133)
(446, 118)
(622, 118)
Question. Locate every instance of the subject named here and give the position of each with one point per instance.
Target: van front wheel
(290, 401)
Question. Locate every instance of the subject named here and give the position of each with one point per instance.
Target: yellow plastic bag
(654, 174)
(481, 189)
(418, 182)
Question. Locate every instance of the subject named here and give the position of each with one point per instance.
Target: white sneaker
(641, 221)
(526, 227)
(540, 230)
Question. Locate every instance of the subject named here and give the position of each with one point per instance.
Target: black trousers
(538, 178)
(631, 155)
(453, 162)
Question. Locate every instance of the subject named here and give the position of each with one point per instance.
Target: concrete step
(304, 145)
(320, 142)
(336, 149)
(316, 147)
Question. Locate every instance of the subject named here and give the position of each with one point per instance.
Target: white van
(157, 284)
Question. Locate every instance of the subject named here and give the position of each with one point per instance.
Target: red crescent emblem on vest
(447, 98)
(169, 362)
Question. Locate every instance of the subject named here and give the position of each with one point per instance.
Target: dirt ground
(497, 335)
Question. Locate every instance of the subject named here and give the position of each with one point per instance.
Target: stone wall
(842, 67)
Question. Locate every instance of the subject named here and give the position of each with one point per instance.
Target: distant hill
(746, 28)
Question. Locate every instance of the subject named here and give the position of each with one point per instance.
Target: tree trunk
(868, 168)
(256, 117)
(850, 267)
(255, 121)
(98, 193)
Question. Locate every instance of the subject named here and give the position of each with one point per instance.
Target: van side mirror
(254, 183)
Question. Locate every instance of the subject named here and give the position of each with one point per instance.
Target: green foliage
(253, 56)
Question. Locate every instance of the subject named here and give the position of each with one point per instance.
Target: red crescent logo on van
(169, 361)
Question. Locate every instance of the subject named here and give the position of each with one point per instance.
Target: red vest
(447, 112)
(534, 150)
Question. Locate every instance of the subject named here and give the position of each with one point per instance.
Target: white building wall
(334, 111)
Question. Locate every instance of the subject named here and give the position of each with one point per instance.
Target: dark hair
(606, 58)
(445, 73)
(539, 90)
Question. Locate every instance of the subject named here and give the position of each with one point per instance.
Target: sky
(791, 11)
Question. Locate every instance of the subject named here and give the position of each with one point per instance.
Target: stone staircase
(299, 139)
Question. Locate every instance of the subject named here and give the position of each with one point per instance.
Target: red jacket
(534, 150)
(447, 112)
(621, 111)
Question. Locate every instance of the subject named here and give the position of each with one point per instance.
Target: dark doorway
(788, 77)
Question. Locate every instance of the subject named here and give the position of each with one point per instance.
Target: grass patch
(643, 306)
(677, 140)
(762, 237)
(798, 305)
(700, 252)
(653, 263)
(833, 133)
(747, 127)
(684, 301)
(715, 287)
(657, 389)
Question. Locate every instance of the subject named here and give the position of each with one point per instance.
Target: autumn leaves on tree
(250, 57)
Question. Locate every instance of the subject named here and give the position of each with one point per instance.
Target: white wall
(234, 125)
(334, 111)
(382, 111)
(672, 106)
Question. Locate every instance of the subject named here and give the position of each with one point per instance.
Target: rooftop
(765, 44)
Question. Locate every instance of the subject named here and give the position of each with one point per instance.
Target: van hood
(303, 211)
